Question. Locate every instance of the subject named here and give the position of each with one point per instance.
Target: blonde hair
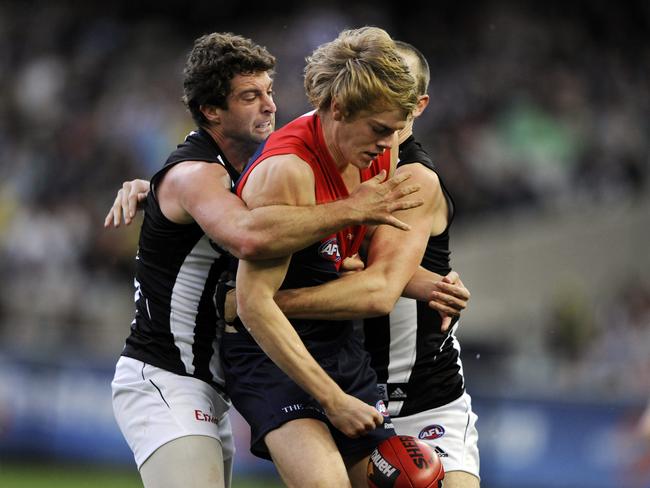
(363, 71)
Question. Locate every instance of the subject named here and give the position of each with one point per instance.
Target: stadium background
(539, 122)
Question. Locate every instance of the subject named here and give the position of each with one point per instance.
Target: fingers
(452, 277)
(108, 219)
(444, 309)
(397, 179)
(353, 263)
(114, 215)
(368, 424)
(452, 303)
(403, 191)
(404, 205)
(126, 203)
(446, 323)
(129, 202)
(397, 223)
(379, 177)
(379, 419)
(457, 290)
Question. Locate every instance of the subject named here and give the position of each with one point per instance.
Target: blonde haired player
(306, 387)
(414, 350)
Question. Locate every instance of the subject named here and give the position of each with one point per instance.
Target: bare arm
(258, 281)
(447, 294)
(200, 191)
(392, 260)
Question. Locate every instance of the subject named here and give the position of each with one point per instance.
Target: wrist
(332, 400)
(347, 213)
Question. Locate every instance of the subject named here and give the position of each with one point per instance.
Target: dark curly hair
(214, 60)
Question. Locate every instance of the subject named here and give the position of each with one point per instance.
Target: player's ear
(336, 110)
(211, 113)
(423, 103)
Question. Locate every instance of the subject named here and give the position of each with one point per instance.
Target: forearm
(279, 230)
(420, 285)
(279, 340)
(358, 295)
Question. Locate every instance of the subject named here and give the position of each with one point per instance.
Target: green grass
(47, 476)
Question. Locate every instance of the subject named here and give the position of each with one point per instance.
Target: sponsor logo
(397, 394)
(205, 417)
(330, 250)
(379, 464)
(296, 407)
(293, 408)
(381, 408)
(414, 452)
(440, 451)
(430, 432)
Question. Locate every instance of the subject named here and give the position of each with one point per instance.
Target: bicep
(260, 280)
(280, 180)
(395, 253)
(204, 193)
(285, 180)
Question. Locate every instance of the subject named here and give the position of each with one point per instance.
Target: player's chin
(259, 136)
(363, 161)
(263, 131)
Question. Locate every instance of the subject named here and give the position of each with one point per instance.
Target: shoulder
(190, 171)
(283, 166)
(191, 177)
(280, 179)
(429, 181)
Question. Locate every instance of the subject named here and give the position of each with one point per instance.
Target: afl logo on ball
(330, 250)
(434, 431)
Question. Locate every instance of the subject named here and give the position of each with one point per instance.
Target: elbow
(245, 308)
(250, 248)
(381, 306)
(383, 298)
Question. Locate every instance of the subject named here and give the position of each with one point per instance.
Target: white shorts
(450, 430)
(153, 407)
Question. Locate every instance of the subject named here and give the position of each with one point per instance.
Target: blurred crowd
(534, 108)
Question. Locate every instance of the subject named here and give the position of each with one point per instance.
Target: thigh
(306, 456)
(460, 479)
(358, 471)
(189, 462)
(153, 407)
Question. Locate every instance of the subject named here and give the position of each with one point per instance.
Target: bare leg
(460, 479)
(358, 472)
(188, 462)
(306, 456)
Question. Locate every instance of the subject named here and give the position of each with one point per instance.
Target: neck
(329, 134)
(237, 152)
(406, 132)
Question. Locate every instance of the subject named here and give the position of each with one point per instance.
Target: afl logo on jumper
(430, 432)
(330, 250)
(381, 408)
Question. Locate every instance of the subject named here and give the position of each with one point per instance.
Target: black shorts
(267, 398)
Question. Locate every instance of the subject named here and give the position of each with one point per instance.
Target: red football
(403, 461)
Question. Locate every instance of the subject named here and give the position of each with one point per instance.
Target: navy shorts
(267, 398)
